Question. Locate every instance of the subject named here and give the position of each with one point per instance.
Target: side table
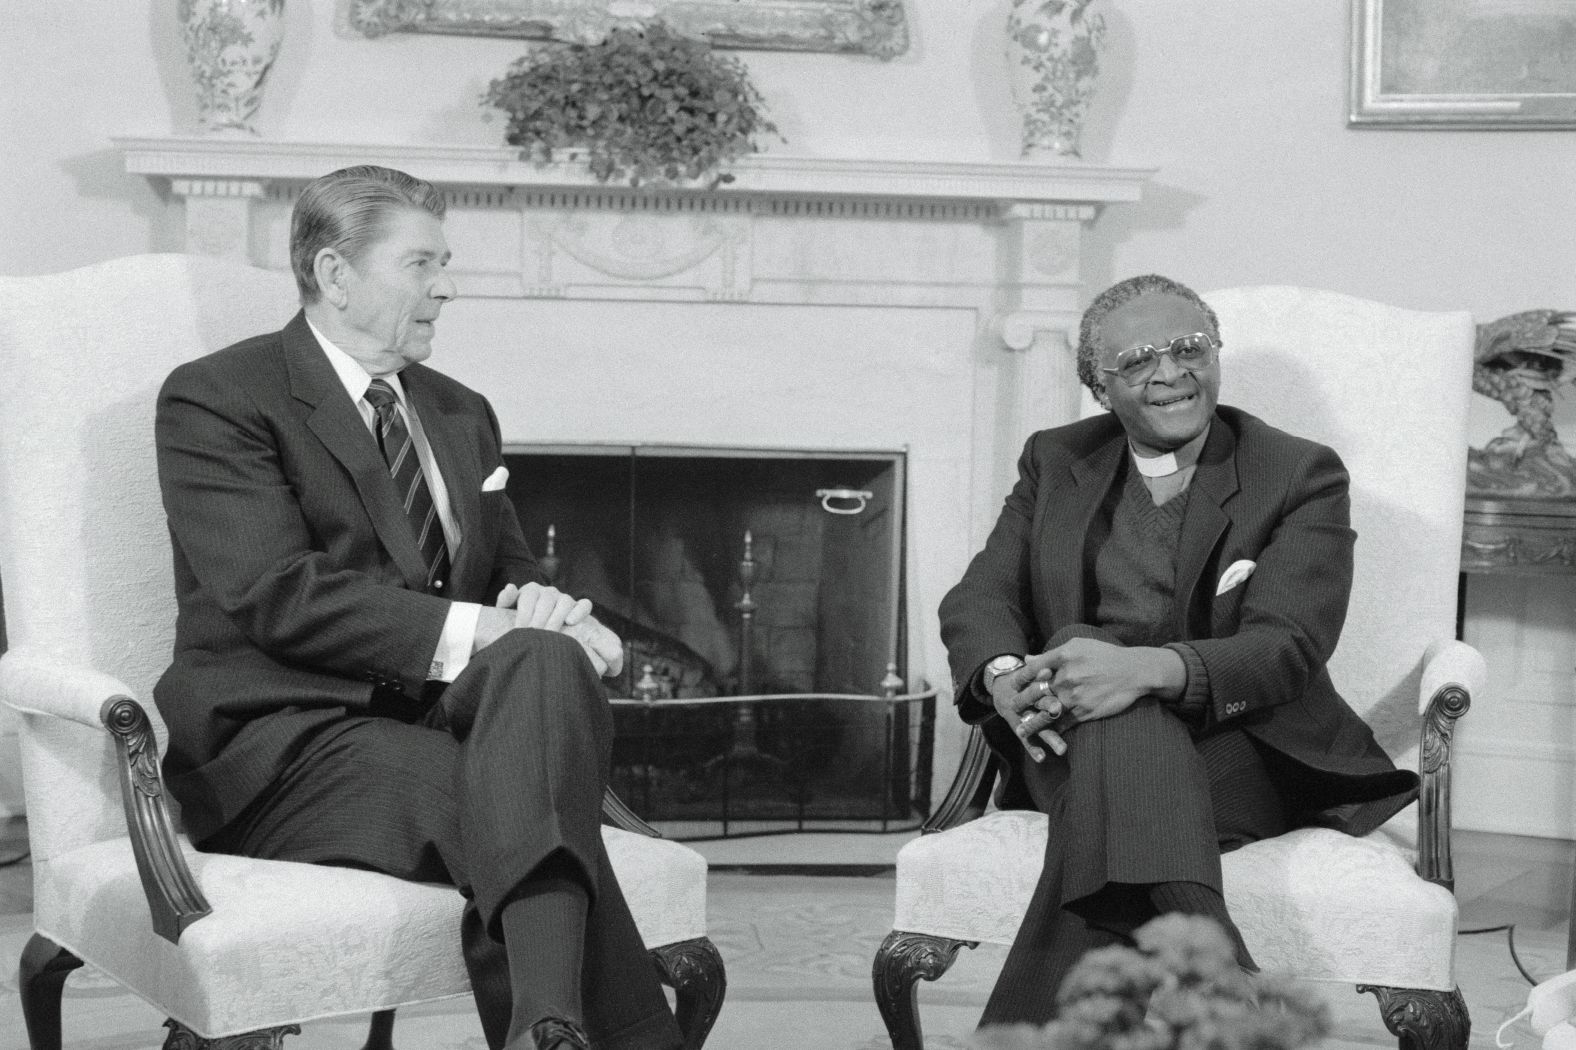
(1526, 537)
(1522, 537)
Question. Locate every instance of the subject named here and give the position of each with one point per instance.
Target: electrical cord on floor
(1510, 939)
(19, 858)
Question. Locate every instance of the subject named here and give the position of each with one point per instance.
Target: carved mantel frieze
(1004, 240)
(1005, 235)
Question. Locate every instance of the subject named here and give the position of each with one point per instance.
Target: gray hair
(346, 210)
(1113, 297)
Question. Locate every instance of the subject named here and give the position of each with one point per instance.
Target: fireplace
(853, 303)
(759, 596)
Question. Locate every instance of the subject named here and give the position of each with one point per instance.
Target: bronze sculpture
(1522, 361)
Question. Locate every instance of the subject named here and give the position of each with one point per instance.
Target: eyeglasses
(1193, 352)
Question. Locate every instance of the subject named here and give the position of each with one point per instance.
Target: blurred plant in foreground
(1179, 989)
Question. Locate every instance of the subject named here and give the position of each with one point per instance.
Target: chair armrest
(42, 685)
(970, 791)
(174, 899)
(1451, 672)
(37, 684)
(616, 813)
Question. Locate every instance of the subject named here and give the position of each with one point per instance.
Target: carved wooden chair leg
(694, 970)
(901, 961)
(42, 974)
(380, 1034)
(183, 1038)
(1422, 1019)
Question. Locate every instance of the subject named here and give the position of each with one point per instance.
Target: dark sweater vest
(1134, 546)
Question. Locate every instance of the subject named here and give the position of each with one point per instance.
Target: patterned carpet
(798, 950)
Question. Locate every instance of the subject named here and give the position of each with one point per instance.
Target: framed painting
(1507, 64)
(873, 27)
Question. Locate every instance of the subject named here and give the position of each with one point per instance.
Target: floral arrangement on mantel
(644, 102)
(1180, 989)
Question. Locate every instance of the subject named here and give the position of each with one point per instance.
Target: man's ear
(1100, 395)
(331, 270)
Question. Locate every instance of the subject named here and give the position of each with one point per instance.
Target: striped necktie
(405, 467)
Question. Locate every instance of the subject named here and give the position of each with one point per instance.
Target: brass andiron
(647, 688)
(746, 606)
(548, 562)
(745, 747)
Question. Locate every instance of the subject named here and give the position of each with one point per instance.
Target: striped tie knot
(399, 452)
(384, 404)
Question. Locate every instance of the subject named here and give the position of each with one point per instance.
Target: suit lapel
(451, 436)
(1205, 520)
(339, 426)
(1067, 524)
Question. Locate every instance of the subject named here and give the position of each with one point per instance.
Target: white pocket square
(496, 480)
(1239, 571)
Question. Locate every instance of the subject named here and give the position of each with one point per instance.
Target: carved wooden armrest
(1451, 671)
(174, 899)
(970, 791)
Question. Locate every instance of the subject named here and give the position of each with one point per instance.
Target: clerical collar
(1163, 466)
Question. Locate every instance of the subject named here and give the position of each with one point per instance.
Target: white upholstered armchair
(1388, 389)
(222, 945)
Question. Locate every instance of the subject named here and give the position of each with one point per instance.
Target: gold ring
(1045, 686)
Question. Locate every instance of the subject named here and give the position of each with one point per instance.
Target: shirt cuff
(455, 643)
(1193, 704)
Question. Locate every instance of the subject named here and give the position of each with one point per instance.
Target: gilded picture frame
(872, 27)
(1490, 64)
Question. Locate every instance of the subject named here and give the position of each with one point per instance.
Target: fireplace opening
(759, 597)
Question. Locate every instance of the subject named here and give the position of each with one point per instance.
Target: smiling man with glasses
(1144, 637)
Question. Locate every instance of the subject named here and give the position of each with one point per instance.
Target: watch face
(999, 666)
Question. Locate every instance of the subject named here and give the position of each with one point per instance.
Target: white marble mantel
(1004, 238)
(256, 160)
(811, 303)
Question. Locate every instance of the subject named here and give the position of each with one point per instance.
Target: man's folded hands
(549, 609)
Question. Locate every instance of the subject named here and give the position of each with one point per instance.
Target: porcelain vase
(1053, 55)
(230, 46)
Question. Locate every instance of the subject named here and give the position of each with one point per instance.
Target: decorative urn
(1053, 56)
(230, 46)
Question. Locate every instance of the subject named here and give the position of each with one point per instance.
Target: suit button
(437, 585)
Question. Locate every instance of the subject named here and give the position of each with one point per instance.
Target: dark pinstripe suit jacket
(1259, 494)
(296, 574)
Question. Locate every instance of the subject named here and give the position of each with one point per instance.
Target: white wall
(1240, 108)
(1259, 178)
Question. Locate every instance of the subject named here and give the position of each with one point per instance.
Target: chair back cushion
(1389, 390)
(84, 550)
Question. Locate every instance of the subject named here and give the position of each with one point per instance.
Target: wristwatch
(1004, 664)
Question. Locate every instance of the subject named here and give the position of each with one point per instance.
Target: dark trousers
(1134, 802)
(505, 770)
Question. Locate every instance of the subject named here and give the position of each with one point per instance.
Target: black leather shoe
(554, 1033)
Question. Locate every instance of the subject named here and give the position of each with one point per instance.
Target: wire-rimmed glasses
(1193, 352)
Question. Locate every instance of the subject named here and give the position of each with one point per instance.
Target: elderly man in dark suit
(1144, 638)
(368, 670)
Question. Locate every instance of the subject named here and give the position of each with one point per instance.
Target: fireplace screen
(758, 594)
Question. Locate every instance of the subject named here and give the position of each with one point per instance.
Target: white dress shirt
(459, 628)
